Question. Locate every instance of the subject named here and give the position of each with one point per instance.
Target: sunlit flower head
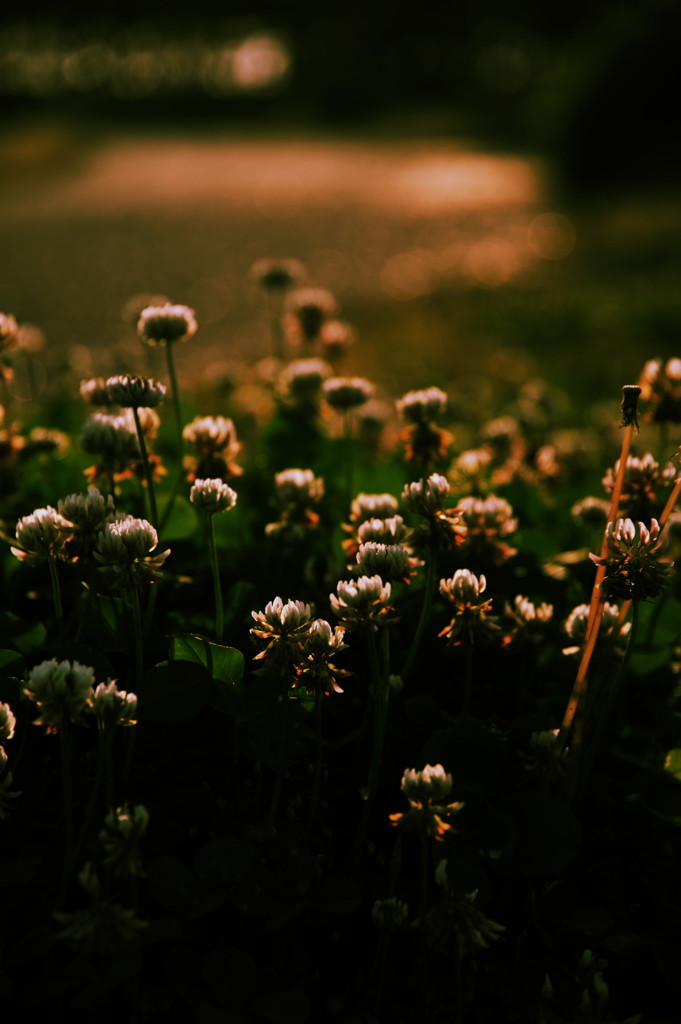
(281, 626)
(298, 487)
(308, 309)
(526, 620)
(362, 602)
(634, 566)
(660, 384)
(163, 325)
(135, 392)
(426, 791)
(346, 393)
(301, 380)
(212, 496)
(389, 561)
(472, 622)
(41, 535)
(114, 707)
(424, 406)
(315, 670)
(216, 447)
(112, 438)
(612, 633)
(7, 722)
(644, 485)
(391, 530)
(488, 521)
(427, 497)
(336, 338)
(61, 690)
(126, 554)
(372, 506)
(591, 511)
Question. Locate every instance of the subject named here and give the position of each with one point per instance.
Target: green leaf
(175, 692)
(28, 639)
(672, 763)
(226, 664)
(12, 665)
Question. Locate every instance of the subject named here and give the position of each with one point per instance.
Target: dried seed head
(629, 406)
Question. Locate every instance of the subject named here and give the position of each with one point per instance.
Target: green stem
(215, 569)
(56, 596)
(349, 458)
(423, 904)
(318, 763)
(179, 441)
(281, 757)
(428, 595)
(147, 468)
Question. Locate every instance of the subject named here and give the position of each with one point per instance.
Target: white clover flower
(345, 393)
(113, 438)
(614, 635)
(298, 487)
(526, 611)
(7, 722)
(302, 379)
(94, 391)
(361, 602)
(112, 706)
(162, 325)
(210, 434)
(634, 567)
(391, 530)
(126, 552)
(61, 690)
(426, 497)
(41, 535)
(372, 506)
(426, 790)
(281, 626)
(135, 392)
(463, 588)
(431, 784)
(389, 561)
(212, 496)
(310, 308)
(88, 515)
(424, 406)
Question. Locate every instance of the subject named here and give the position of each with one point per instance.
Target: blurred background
(487, 188)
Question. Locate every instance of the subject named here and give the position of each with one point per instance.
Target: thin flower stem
(215, 570)
(423, 905)
(596, 606)
(349, 458)
(56, 596)
(428, 594)
(467, 678)
(147, 468)
(274, 310)
(179, 441)
(318, 764)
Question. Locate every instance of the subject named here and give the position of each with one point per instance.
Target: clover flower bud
(7, 722)
(346, 393)
(162, 325)
(114, 707)
(135, 392)
(61, 690)
(389, 561)
(41, 535)
(422, 407)
(389, 914)
(126, 553)
(212, 496)
(427, 497)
